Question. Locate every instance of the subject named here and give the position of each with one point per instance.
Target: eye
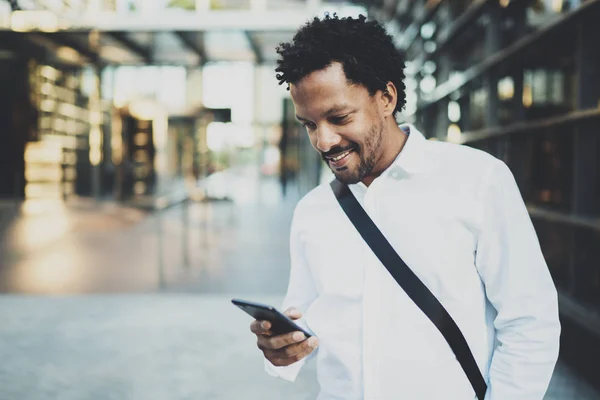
(339, 119)
(308, 125)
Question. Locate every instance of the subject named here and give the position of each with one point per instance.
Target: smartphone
(280, 323)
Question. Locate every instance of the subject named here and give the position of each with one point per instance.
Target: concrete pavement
(135, 347)
(108, 303)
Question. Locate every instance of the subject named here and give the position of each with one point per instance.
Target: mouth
(339, 160)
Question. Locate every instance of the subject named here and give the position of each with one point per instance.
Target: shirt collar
(410, 160)
(412, 157)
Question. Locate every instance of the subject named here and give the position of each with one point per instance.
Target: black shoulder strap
(412, 285)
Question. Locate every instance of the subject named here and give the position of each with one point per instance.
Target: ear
(389, 97)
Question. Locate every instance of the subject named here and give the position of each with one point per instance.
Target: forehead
(324, 89)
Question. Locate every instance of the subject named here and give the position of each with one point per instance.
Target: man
(453, 213)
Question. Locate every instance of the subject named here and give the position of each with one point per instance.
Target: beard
(367, 154)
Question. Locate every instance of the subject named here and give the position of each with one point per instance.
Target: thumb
(292, 313)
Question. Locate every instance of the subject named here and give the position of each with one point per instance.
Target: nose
(326, 138)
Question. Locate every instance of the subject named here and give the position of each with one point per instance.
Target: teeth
(340, 156)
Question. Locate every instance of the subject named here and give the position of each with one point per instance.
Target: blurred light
(59, 124)
(47, 105)
(41, 190)
(457, 78)
(43, 152)
(144, 110)
(222, 79)
(160, 128)
(427, 30)
(89, 81)
(59, 269)
(116, 140)
(216, 136)
(429, 67)
(69, 55)
(47, 89)
(95, 117)
(506, 88)
(66, 109)
(95, 145)
(115, 54)
(527, 96)
(504, 3)
(37, 207)
(46, 173)
(139, 188)
(48, 72)
(410, 83)
(71, 127)
(140, 156)
(141, 139)
(454, 133)
(38, 20)
(411, 68)
(557, 6)
(428, 84)
(70, 174)
(454, 113)
(169, 86)
(430, 46)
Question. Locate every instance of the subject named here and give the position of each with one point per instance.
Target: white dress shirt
(455, 215)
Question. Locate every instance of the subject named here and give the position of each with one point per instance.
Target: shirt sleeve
(301, 293)
(518, 284)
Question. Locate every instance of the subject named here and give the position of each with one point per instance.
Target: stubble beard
(368, 157)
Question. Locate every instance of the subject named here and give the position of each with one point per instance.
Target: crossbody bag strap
(411, 284)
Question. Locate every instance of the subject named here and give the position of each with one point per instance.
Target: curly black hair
(365, 50)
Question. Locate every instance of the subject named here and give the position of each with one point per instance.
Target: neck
(392, 144)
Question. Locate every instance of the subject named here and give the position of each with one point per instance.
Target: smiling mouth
(339, 160)
(339, 156)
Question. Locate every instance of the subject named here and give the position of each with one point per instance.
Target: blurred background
(150, 163)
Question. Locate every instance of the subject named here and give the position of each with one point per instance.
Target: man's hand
(286, 349)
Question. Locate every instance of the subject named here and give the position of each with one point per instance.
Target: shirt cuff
(289, 373)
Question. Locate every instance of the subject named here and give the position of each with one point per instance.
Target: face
(345, 124)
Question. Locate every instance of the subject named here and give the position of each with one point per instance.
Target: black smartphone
(280, 323)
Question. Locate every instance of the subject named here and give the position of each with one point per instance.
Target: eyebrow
(333, 110)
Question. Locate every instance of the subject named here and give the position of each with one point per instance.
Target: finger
(260, 327)
(300, 350)
(280, 341)
(292, 313)
(293, 353)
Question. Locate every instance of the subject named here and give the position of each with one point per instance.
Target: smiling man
(453, 213)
